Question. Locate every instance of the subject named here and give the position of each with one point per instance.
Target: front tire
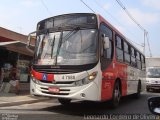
(64, 101)
(116, 96)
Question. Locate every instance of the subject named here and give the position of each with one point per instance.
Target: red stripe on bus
(39, 76)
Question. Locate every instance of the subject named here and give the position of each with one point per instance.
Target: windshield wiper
(66, 37)
(52, 44)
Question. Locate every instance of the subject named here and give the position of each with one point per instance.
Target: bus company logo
(44, 76)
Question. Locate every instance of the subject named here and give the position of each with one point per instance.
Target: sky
(22, 16)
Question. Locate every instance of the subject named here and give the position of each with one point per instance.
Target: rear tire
(138, 94)
(116, 96)
(64, 101)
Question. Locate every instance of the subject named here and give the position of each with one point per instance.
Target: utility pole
(144, 42)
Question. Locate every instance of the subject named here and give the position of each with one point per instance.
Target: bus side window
(106, 32)
(126, 53)
(133, 59)
(119, 49)
(138, 59)
(143, 62)
(106, 54)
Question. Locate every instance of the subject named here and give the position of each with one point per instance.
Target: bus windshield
(74, 47)
(153, 72)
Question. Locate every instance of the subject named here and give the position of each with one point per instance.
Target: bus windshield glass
(153, 72)
(73, 47)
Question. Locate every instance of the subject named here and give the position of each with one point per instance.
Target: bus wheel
(137, 95)
(64, 101)
(116, 95)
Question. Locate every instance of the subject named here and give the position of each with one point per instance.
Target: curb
(7, 104)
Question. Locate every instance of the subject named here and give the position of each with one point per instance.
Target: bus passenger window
(119, 49)
(143, 61)
(126, 53)
(133, 59)
(138, 60)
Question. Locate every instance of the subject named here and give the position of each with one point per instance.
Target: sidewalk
(11, 99)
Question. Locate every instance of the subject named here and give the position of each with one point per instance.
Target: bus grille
(50, 93)
(58, 83)
(54, 71)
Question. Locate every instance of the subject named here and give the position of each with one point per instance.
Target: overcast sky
(22, 16)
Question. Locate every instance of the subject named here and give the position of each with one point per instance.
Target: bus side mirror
(31, 42)
(106, 42)
(154, 105)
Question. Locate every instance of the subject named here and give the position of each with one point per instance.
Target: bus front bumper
(86, 92)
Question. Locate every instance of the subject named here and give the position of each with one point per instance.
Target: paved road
(129, 108)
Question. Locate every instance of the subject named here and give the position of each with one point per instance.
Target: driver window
(107, 53)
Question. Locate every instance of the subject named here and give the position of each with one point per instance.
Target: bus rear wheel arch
(139, 89)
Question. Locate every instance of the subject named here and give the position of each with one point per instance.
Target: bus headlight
(34, 80)
(86, 80)
(92, 76)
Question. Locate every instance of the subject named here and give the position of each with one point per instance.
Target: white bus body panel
(134, 75)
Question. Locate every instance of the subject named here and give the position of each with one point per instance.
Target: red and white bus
(82, 56)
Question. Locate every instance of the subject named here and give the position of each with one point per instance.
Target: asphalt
(11, 99)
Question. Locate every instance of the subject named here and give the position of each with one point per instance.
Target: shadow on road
(102, 108)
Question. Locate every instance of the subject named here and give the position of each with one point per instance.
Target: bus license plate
(53, 89)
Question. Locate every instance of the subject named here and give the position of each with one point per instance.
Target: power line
(45, 6)
(129, 15)
(140, 26)
(117, 22)
(87, 6)
(106, 11)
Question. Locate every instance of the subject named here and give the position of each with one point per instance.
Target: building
(152, 62)
(13, 52)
